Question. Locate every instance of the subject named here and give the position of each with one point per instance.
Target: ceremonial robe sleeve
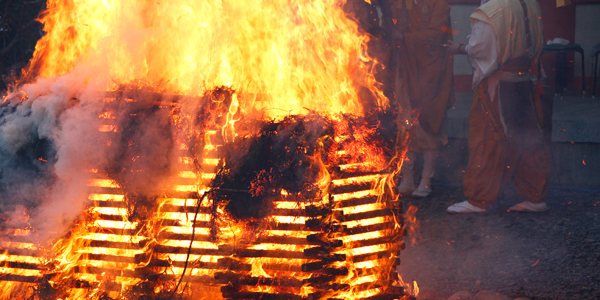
(482, 51)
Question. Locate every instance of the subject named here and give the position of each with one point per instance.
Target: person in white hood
(505, 137)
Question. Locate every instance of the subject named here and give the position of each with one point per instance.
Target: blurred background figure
(505, 136)
(423, 82)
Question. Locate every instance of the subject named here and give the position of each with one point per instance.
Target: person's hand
(453, 47)
(397, 36)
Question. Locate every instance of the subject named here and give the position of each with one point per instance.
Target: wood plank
(263, 296)
(195, 251)
(367, 215)
(356, 202)
(19, 278)
(370, 228)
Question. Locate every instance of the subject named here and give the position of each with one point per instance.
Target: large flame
(272, 58)
(285, 56)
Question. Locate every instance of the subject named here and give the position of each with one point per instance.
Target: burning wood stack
(252, 159)
(223, 231)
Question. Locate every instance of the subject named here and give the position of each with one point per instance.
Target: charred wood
(317, 251)
(199, 224)
(378, 241)
(270, 253)
(264, 296)
(111, 271)
(107, 217)
(349, 174)
(20, 265)
(313, 266)
(342, 189)
(115, 204)
(283, 268)
(321, 296)
(113, 258)
(124, 232)
(323, 225)
(109, 244)
(195, 251)
(390, 296)
(291, 227)
(284, 240)
(370, 228)
(188, 278)
(16, 251)
(322, 239)
(236, 279)
(381, 284)
(192, 264)
(372, 256)
(367, 215)
(106, 190)
(233, 264)
(184, 209)
(289, 212)
(356, 202)
(183, 237)
(315, 211)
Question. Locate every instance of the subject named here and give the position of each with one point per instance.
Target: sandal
(464, 208)
(529, 206)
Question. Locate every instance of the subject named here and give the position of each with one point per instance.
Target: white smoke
(60, 116)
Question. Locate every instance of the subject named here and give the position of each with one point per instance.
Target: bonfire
(201, 150)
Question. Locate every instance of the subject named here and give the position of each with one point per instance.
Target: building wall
(587, 33)
(461, 26)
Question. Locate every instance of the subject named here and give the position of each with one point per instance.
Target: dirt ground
(548, 255)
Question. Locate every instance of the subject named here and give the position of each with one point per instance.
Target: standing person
(423, 82)
(505, 138)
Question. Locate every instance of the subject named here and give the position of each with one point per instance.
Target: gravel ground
(548, 255)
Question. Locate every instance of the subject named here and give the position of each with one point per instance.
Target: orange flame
(412, 224)
(283, 56)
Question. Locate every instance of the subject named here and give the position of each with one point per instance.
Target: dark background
(19, 32)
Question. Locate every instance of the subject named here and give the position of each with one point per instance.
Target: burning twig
(201, 198)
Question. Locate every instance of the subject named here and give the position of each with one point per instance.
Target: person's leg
(487, 154)
(424, 188)
(407, 183)
(486, 172)
(531, 179)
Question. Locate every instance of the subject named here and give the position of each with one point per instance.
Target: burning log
(256, 295)
(236, 279)
(19, 278)
(234, 264)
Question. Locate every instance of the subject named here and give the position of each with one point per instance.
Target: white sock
(429, 158)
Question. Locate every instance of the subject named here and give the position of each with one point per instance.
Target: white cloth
(482, 51)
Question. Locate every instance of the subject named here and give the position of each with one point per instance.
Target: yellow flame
(109, 183)
(280, 57)
(359, 194)
(356, 180)
(106, 197)
(284, 56)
